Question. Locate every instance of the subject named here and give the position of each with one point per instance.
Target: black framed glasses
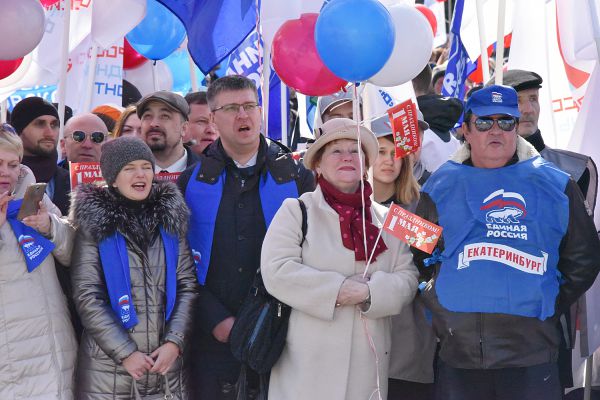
(96, 137)
(484, 124)
(234, 108)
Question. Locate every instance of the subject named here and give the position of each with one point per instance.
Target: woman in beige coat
(36, 337)
(335, 311)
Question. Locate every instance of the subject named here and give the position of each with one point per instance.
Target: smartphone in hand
(31, 201)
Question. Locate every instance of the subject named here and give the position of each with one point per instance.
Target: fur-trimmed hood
(525, 151)
(101, 212)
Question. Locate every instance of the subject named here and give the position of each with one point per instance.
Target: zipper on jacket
(481, 340)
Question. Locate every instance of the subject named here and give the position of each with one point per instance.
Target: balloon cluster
(352, 41)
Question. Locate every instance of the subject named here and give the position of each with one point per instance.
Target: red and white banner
(405, 127)
(88, 172)
(412, 229)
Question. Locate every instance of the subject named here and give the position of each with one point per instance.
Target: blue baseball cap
(494, 99)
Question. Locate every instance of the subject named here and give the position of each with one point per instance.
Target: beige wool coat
(327, 354)
(37, 342)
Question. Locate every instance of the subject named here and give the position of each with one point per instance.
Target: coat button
(240, 269)
(240, 205)
(241, 237)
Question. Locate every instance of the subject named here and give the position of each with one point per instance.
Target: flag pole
(3, 110)
(62, 83)
(284, 114)
(499, 71)
(155, 75)
(89, 88)
(485, 68)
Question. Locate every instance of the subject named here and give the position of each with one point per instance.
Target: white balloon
(412, 48)
(22, 26)
(142, 78)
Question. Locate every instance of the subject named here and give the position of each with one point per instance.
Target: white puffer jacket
(37, 344)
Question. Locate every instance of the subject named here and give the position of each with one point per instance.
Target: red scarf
(349, 208)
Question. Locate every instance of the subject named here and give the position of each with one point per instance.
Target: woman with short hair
(38, 342)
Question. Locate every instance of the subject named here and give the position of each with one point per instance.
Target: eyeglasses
(234, 108)
(484, 124)
(8, 128)
(96, 137)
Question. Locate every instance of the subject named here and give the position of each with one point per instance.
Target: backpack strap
(304, 218)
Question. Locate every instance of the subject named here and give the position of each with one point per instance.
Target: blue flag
(459, 63)
(245, 61)
(215, 28)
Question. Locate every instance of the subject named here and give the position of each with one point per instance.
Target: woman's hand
(164, 357)
(353, 291)
(4, 199)
(137, 364)
(40, 222)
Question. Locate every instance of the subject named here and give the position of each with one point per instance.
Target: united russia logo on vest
(504, 212)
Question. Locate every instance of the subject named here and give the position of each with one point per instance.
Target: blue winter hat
(494, 99)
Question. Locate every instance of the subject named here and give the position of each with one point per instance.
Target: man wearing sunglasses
(518, 248)
(84, 136)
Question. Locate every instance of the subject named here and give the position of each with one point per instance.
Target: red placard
(405, 126)
(86, 172)
(412, 229)
(167, 176)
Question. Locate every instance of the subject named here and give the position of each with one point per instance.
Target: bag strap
(304, 218)
(135, 393)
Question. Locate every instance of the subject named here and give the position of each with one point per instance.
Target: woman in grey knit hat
(134, 282)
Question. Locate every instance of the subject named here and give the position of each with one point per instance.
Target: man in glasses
(233, 192)
(518, 248)
(84, 136)
(164, 117)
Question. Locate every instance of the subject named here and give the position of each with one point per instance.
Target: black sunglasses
(484, 124)
(96, 137)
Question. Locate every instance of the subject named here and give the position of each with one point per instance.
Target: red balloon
(296, 61)
(7, 67)
(131, 58)
(429, 15)
(48, 3)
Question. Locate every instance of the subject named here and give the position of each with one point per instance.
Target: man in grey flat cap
(581, 167)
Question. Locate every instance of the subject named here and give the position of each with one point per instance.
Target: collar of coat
(274, 156)
(101, 213)
(525, 151)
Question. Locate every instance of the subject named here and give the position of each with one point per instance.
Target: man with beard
(36, 121)
(164, 117)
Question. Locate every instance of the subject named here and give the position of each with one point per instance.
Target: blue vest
(502, 232)
(203, 199)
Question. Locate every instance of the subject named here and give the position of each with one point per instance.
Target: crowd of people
(131, 288)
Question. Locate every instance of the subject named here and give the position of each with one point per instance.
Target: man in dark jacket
(518, 248)
(164, 117)
(36, 121)
(233, 193)
(581, 167)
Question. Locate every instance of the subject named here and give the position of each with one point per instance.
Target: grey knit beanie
(121, 151)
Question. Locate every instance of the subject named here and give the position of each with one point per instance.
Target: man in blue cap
(518, 247)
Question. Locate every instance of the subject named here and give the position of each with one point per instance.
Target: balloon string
(374, 350)
(357, 116)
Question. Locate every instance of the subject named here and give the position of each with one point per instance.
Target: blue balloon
(354, 38)
(159, 34)
(179, 64)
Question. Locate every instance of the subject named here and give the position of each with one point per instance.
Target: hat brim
(367, 138)
(140, 108)
(486, 111)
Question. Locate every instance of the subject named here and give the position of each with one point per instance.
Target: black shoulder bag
(260, 329)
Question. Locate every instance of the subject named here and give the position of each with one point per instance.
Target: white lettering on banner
(505, 255)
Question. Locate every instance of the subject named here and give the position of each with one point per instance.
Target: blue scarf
(115, 263)
(34, 246)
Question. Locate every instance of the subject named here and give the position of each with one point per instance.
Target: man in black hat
(581, 167)
(164, 117)
(36, 121)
